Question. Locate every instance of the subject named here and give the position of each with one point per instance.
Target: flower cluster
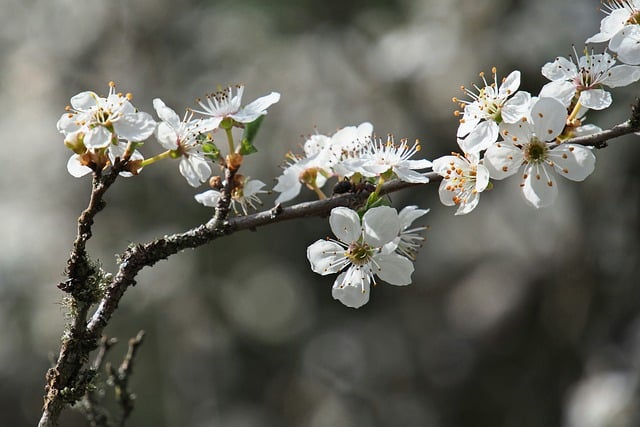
(504, 131)
(100, 130)
(380, 244)
(352, 152)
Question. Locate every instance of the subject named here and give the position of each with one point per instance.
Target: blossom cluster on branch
(503, 131)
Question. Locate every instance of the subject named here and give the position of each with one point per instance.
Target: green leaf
(251, 130)
(246, 147)
(210, 150)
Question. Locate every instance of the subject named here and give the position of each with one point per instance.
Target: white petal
(345, 224)
(549, 118)
(626, 43)
(408, 175)
(135, 127)
(468, 205)
(561, 90)
(539, 187)
(325, 257)
(166, 114)
(408, 214)
(76, 168)
(574, 162)
(517, 107)
(393, 268)
(596, 99)
(480, 138)
(97, 137)
(84, 100)
(482, 178)
(351, 294)
(446, 195)
(288, 185)
(167, 136)
(516, 133)
(622, 75)
(195, 170)
(256, 109)
(510, 84)
(381, 225)
(503, 159)
(560, 69)
(208, 198)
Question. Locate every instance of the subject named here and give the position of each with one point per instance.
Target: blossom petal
(622, 75)
(626, 43)
(480, 138)
(97, 137)
(517, 107)
(76, 168)
(257, 108)
(574, 162)
(381, 225)
(408, 175)
(408, 214)
(135, 127)
(503, 160)
(510, 84)
(596, 99)
(345, 224)
(167, 136)
(208, 198)
(84, 100)
(393, 269)
(560, 69)
(549, 118)
(538, 186)
(561, 90)
(353, 295)
(326, 257)
(482, 178)
(196, 170)
(166, 114)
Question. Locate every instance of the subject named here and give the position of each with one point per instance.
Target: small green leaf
(210, 150)
(251, 130)
(246, 147)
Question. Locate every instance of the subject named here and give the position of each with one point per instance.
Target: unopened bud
(215, 182)
(233, 161)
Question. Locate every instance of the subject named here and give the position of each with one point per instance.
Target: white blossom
(620, 28)
(463, 179)
(360, 253)
(586, 79)
(246, 196)
(530, 147)
(380, 157)
(225, 104)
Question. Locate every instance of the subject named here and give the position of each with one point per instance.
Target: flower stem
(232, 148)
(161, 156)
(574, 113)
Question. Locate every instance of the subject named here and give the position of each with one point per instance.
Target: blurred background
(516, 316)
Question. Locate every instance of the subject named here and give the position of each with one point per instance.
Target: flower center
(535, 151)
(359, 253)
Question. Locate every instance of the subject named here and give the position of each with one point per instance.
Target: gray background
(516, 316)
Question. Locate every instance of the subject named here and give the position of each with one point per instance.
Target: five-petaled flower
(224, 104)
(463, 179)
(361, 252)
(181, 137)
(585, 80)
(531, 147)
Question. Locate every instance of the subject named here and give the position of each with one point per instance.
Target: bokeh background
(516, 317)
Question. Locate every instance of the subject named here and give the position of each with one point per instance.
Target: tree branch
(66, 382)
